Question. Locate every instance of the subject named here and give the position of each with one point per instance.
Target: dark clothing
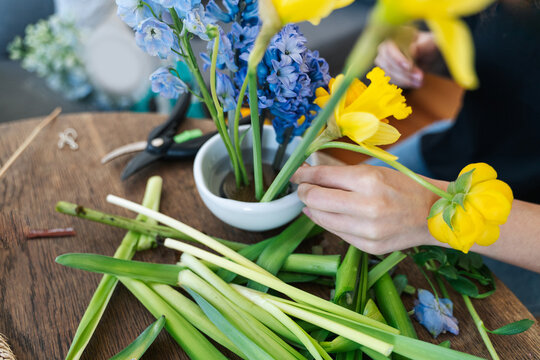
(500, 121)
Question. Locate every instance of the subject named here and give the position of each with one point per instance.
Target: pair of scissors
(163, 143)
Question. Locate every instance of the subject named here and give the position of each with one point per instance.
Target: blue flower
(196, 22)
(183, 7)
(243, 37)
(226, 54)
(243, 11)
(166, 84)
(283, 74)
(290, 45)
(435, 315)
(155, 37)
(133, 12)
(226, 92)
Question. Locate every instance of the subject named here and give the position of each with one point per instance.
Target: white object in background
(211, 166)
(68, 137)
(114, 62)
(85, 13)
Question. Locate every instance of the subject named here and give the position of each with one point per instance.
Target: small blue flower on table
(435, 314)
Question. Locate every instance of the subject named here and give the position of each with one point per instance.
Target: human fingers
(327, 199)
(370, 246)
(402, 71)
(337, 177)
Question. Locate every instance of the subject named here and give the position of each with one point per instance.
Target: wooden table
(41, 302)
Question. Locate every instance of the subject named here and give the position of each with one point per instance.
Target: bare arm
(380, 210)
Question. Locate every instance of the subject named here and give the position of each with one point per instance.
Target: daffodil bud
(480, 203)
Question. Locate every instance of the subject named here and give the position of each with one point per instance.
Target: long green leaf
(104, 290)
(249, 348)
(138, 347)
(193, 313)
(276, 252)
(159, 273)
(188, 337)
(384, 266)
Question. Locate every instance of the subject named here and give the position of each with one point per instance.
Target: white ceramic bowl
(212, 165)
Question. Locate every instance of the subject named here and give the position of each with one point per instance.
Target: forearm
(519, 242)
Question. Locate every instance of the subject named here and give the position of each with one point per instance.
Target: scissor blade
(124, 150)
(138, 162)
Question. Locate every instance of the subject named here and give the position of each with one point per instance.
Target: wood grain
(41, 302)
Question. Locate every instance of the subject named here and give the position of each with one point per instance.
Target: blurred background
(86, 59)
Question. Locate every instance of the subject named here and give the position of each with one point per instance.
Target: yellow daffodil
(481, 203)
(361, 114)
(282, 12)
(451, 33)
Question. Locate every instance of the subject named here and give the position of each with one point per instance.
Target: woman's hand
(376, 209)
(404, 72)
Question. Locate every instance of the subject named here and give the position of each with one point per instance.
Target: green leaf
(249, 348)
(464, 261)
(513, 328)
(346, 276)
(476, 260)
(445, 344)
(459, 199)
(463, 286)
(438, 206)
(451, 188)
(448, 271)
(448, 214)
(159, 273)
(278, 250)
(432, 253)
(371, 310)
(400, 282)
(138, 347)
(384, 266)
(463, 182)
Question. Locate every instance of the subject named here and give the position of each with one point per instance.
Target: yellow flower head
(361, 114)
(282, 12)
(481, 203)
(451, 33)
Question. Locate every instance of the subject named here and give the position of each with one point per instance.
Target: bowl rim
(247, 206)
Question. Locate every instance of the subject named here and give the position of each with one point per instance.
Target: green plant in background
(51, 49)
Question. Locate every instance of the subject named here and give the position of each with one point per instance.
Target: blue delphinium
(196, 22)
(166, 84)
(155, 37)
(226, 92)
(243, 12)
(435, 314)
(133, 12)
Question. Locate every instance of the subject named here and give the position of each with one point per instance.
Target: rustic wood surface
(41, 302)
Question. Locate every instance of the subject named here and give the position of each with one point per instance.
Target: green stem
(323, 265)
(236, 135)
(392, 307)
(220, 123)
(359, 61)
(133, 225)
(430, 283)
(440, 282)
(255, 133)
(100, 299)
(396, 165)
(480, 326)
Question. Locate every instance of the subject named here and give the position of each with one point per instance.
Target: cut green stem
(480, 326)
(105, 289)
(138, 347)
(255, 133)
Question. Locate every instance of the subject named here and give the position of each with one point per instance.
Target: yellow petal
(381, 98)
(322, 97)
(490, 235)
(440, 230)
(415, 9)
(469, 225)
(378, 152)
(357, 125)
(293, 11)
(455, 42)
(386, 134)
(491, 199)
(482, 172)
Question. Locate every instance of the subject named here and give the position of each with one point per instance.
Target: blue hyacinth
(166, 84)
(435, 314)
